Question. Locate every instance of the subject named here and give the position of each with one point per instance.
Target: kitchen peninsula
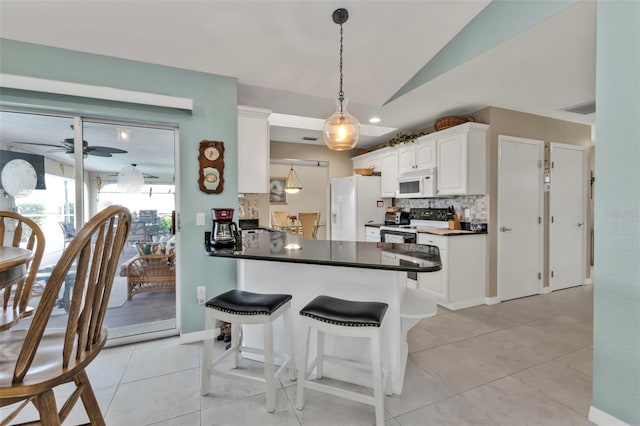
(277, 262)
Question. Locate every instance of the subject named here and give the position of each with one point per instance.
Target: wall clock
(211, 167)
(19, 178)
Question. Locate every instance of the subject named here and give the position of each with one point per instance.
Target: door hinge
(552, 164)
(539, 220)
(551, 274)
(551, 219)
(539, 275)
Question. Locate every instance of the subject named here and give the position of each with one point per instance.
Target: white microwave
(420, 184)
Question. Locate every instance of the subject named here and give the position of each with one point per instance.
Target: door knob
(505, 229)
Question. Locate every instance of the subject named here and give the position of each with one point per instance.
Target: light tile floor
(526, 361)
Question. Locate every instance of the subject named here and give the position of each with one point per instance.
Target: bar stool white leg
(288, 331)
(302, 370)
(270, 394)
(235, 344)
(320, 356)
(376, 364)
(207, 353)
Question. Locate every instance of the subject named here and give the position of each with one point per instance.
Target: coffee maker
(224, 234)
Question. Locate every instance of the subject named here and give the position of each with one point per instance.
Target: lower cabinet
(372, 233)
(461, 281)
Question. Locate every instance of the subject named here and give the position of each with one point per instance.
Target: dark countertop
(374, 225)
(450, 232)
(278, 246)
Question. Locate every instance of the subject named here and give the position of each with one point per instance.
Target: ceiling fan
(144, 175)
(68, 148)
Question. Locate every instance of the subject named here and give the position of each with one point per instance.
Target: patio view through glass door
(130, 164)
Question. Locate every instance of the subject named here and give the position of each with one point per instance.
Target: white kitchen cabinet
(417, 156)
(253, 150)
(366, 161)
(461, 159)
(388, 158)
(461, 281)
(372, 233)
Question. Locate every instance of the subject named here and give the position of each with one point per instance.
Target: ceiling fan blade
(39, 144)
(96, 153)
(107, 149)
(148, 176)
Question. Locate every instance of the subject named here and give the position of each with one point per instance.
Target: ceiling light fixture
(374, 120)
(130, 179)
(341, 131)
(292, 185)
(123, 135)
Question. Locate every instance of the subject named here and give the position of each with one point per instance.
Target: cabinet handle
(505, 229)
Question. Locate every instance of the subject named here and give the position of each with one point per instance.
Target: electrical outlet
(201, 294)
(199, 219)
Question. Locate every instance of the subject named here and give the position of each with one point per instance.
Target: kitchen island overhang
(364, 271)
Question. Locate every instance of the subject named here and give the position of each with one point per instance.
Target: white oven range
(420, 218)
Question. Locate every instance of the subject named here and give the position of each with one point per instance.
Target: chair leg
(302, 368)
(89, 400)
(207, 353)
(235, 344)
(320, 355)
(288, 331)
(269, 378)
(46, 404)
(376, 364)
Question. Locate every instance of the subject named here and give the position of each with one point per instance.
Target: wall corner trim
(601, 418)
(12, 81)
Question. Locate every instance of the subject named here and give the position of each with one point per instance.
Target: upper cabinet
(417, 156)
(388, 172)
(366, 161)
(253, 150)
(461, 159)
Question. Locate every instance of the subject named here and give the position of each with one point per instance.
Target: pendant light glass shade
(341, 131)
(130, 179)
(292, 185)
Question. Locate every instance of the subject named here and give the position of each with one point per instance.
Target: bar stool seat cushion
(346, 313)
(241, 302)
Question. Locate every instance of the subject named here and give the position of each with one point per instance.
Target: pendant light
(341, 131)
(130, 179)
(292, 185)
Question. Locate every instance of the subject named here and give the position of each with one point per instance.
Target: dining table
(13, 268)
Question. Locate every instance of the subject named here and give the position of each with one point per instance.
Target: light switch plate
(199, 219)
(201, 294)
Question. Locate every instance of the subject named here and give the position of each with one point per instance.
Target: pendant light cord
(341, 93)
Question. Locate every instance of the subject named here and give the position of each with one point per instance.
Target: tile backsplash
(477, 204)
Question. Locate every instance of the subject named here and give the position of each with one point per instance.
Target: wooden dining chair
(20, 231)
(36, 360)
(310, 223)
(279, 219)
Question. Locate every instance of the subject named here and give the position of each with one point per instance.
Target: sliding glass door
(84, 165)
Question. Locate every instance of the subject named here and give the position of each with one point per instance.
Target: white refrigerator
(355, 201)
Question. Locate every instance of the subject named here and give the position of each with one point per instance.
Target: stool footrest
(343, 393)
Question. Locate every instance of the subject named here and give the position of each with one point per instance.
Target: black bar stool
(345, 318)
(242, 307)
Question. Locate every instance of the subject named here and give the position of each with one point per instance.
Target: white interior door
(567, 204)
(519, 217)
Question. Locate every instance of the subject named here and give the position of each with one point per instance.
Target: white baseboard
(601, 418)
(492, 300)
(588, 281)
(199, 336)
